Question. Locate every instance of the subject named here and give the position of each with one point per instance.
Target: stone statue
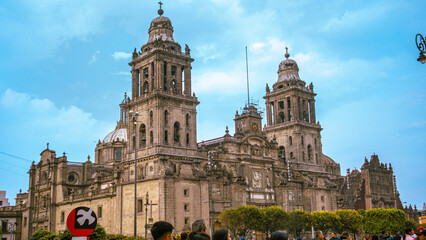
(187, 50)
(267, 89)
(135, 54)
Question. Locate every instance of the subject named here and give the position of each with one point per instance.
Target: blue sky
(63, 72)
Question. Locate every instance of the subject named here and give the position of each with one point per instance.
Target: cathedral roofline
(141, 56)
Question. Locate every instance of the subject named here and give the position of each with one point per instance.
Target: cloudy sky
(64, 70)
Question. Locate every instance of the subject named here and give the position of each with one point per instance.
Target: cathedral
(152, 167)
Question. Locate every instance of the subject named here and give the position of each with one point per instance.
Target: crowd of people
(164, 231)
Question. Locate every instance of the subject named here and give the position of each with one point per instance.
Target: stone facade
(372, 187)
(180, 180)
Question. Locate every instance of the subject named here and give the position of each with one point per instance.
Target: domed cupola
(288, 69)
(161, 27)
(119, 134)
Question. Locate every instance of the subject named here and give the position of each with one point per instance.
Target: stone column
(187, 72)
(169, 77)
(275, 112)
(294, 108)
(135, 83)
(159, 74)
(152, 75)
(313, 120)
(268, 114)
(179, 80)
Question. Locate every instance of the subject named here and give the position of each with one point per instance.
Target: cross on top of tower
(160, 11)
(47, 145)
(286, 53)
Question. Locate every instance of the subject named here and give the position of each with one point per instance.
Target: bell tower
(290, 112)
(161, 94)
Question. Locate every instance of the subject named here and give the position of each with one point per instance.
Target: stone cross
(160, 3)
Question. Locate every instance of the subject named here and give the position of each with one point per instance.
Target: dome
(116, 135)
(288, 69)
(161, 27)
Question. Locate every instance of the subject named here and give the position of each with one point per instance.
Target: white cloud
(228, 83)
(11, 98)
(208, 52)
(124, 73)
(70, 128)
(94, 57)
(121, 55)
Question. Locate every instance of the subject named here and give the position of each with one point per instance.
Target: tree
(377, 220)
(299, 222)
(98, 234)
(325, 221)
(242, 219)
(411, 223)
(274, 218)
(42, 234)
(350, 220)
(65, 235)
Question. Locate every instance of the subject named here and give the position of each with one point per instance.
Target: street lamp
(134, 114)
(420, 42)
(146, 213)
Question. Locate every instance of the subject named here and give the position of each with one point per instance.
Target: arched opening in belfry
(290, 140)
(281, 153)
(145, 88)
(282, 118)
(166, 117)
(309, 152)
(174, 86)
(151, 118)
(142, 135)
(187, 120)
(176, 134)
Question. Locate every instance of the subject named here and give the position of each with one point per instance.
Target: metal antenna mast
(248, 89)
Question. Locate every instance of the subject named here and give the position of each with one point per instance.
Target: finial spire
(47, 145)
(286, 53)
(160, 11)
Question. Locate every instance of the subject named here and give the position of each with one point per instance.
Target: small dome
(116, 135)
(161, 27)
(288, 69)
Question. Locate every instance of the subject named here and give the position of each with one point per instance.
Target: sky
(64, 70)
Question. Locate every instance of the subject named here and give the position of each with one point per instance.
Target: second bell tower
(161, 93)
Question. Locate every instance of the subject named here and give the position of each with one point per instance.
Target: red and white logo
(81, 221)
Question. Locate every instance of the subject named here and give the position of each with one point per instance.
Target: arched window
(291, 155)
(187, 120)
(142, 135)
(166, 117)
(309, 152)
(303, 155)
(315, 142)
(187, 139)
(151, 118)
(290, 140)
(166, 138)
(176, 135)
(281, 153)
(145, 88)
(303, 141)
(282, 118)
(151, 137)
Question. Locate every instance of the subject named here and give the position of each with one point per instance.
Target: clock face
(254, 126)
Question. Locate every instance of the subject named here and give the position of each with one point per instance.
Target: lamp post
(146, 214)
(135, 114)
(420, 42)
